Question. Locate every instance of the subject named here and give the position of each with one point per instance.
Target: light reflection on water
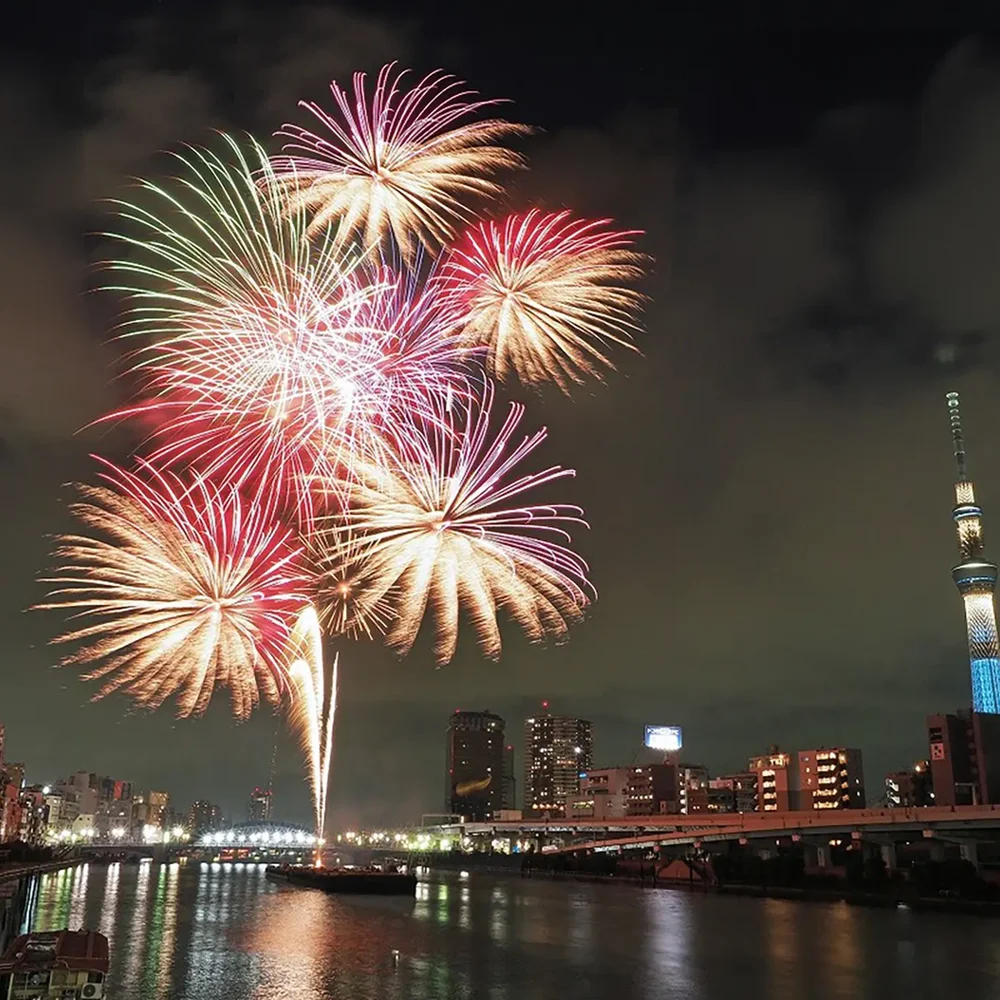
(224, 932)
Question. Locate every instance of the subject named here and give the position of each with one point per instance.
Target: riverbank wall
(672, 878)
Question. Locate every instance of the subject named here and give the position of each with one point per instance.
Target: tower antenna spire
(955, 419)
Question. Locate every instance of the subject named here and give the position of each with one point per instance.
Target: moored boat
(357, 881)
(71, 965)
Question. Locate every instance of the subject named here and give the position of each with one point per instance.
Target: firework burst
(348, 601)
(544, 293)
(254, 365)
(403, 165)
(193, 588)
(440, 532)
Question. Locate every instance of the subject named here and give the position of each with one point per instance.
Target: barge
(60, 964)
(356, 881)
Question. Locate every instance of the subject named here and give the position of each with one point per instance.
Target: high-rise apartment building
(831, 778)
(475, 765)
(259, 806)
(557, 750)
(204, 817)
(777, 781)
(508, 785)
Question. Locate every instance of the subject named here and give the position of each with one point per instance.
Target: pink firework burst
(544, 292)
(402, 165)
(268, 358)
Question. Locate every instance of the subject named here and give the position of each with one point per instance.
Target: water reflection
(224, 932)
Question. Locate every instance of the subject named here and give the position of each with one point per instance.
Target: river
(224, 932)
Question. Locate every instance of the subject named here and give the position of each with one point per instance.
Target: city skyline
(774, 396)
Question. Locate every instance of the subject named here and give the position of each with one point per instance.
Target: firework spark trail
(544, 293)
(313, 709)
(439, 532)
(402, 165)
(192, 586)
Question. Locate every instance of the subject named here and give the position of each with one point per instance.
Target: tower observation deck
(975, 578)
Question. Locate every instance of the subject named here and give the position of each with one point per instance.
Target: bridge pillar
(970, 852)
(889, 858)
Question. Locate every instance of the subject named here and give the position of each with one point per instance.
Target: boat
(356, 881)
(71, 965)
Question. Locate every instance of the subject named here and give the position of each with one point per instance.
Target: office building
(831, 778)
(721, 797)
(62, 810)
(602, 794)
(10, 812)
(777, 781)
(744, 791)
(259, 806)
(475, 765)
(652, 789)
(34, 816)
(113, 818)
(964, 753)
(149, 809)
(906, 789)
(692, 788)
(113, 790)
(508, 787)
(82, 789)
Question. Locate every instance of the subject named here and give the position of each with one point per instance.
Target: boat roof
(65, 949)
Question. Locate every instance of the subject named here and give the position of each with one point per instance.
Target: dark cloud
(767, 483)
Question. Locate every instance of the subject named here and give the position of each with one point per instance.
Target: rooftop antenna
(955, 419)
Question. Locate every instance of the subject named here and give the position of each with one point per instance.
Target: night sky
(768, 484)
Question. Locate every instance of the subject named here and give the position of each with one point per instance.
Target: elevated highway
(964, 825)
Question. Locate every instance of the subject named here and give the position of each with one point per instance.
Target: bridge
(266, 841)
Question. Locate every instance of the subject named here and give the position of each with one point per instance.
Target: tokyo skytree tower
(975, 578)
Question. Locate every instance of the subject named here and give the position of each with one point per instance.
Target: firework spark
(439, 531)
(402, 165)
(193, 588)
(544, 293)
(313, 709)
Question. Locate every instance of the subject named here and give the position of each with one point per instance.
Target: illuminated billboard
(665, 738)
